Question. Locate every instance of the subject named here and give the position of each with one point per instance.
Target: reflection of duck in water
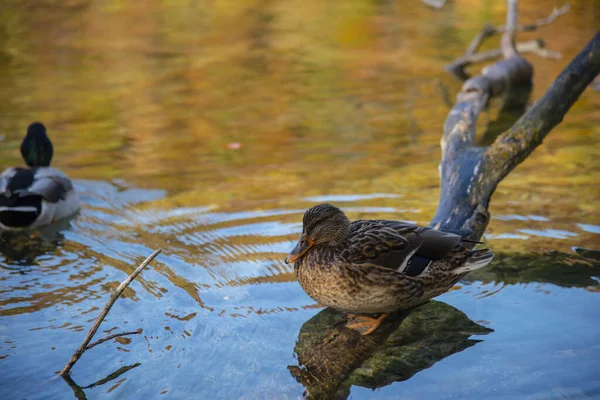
(20, 250)
(332, 358)
(39, 195)
(376, 266)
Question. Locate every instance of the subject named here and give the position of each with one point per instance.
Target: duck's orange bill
(301, 248)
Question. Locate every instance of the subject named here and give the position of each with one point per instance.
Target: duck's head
(36, 148)
(322, 224)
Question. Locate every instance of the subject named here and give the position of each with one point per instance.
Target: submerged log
(332, 357)
(470, 174)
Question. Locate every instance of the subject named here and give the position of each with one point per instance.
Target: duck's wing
(17, 209)
(4, 180)
(15, 180)
(401, 246)
(51, 184)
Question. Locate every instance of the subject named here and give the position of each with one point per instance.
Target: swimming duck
(377, 266)
(38, 195)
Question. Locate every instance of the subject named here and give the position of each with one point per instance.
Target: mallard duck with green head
(37, 195)
(370, 267)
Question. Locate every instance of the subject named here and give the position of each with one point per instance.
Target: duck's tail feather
(477, 259)
(471, 241)
(19, 212)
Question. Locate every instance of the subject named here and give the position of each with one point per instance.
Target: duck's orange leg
(363, 324)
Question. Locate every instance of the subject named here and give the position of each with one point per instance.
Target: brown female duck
(377, 266)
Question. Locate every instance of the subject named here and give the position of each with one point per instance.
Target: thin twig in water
(557, 12)
(83, 347)
(115, 335)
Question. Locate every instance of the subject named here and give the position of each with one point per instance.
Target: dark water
(206, 129)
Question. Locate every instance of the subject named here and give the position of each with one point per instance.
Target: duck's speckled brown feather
(360, 275)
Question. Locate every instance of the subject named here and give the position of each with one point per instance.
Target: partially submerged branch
(84, 345)
(470, 174)
(461, 160)
(529, 131)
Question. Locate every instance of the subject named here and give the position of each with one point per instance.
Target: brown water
(207, 128)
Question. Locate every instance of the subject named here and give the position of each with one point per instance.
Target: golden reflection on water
(154, 94)
(329, 99)
(230, 119)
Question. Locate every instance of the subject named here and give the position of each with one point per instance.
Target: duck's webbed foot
(363, 324)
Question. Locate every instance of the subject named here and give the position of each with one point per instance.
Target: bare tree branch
(84, 345)
(461, 160)
(470, 174)
(457, 67)
(489, 30)
(507, 44)
(536, 47)
(556, 12)
(531, 129)
(485, 32)
(113, 336)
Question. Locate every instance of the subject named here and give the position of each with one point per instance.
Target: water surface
(206, 129)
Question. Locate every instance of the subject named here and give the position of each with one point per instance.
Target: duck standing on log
(38, 195)
(377, 266)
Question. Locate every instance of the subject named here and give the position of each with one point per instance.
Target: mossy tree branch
(470, 174)
(531, 129)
